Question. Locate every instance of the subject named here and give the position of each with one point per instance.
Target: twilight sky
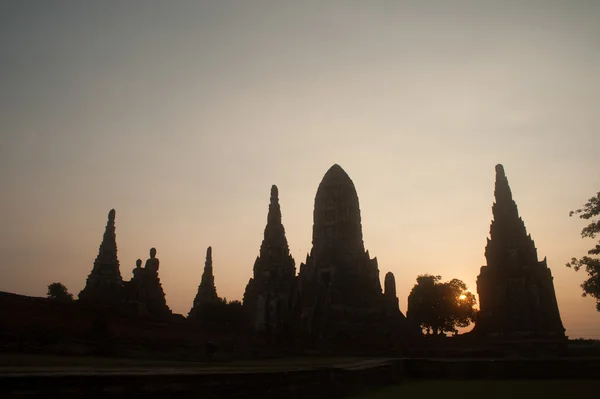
(181, 114)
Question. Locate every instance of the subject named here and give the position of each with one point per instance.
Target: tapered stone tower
(392, 303)
(207, 292)
(269, 293)
(104, 285)
(516, 291)
(339, 292)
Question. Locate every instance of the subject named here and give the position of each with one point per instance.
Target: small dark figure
(100, 327)
(211, 348)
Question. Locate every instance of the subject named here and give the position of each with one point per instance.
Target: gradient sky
(181, 114)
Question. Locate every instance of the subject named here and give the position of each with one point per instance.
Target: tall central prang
(516, 291)
(337, 228)
(339, 292)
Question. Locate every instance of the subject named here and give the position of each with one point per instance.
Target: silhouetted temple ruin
(339, 292)
(337, 299)
(516, 291)
(391, 300)
(269, 293)
(104, 284)
(105, 287)
(207, 292)
(145, 290)
(396, 322)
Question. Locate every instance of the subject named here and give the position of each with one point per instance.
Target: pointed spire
(274, 234)
(207, 292)
(274, 215)
(105, 282)
(108, 248)
(509, 241)
(273, 274)
(516, 292)
(274, 194)
(504, 200)
(208, 261)
(504, 209)
(500, 170)
(208, 279)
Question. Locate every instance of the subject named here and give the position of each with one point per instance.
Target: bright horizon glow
(182, 116)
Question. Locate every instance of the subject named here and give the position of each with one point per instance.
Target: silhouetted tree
(58, 292)
(591, 286)
(221, 312)
(440, 307)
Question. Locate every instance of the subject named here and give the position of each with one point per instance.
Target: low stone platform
(289, 378)
(235, 381)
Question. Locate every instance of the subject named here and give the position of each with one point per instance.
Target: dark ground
(447, 389)
(10, 363)
(298, 377)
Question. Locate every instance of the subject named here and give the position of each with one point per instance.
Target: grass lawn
(511, 389)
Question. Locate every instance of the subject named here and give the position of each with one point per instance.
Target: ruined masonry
(339, 296)
(389, 284)
(145, 290)
(516, 291)
(105, 287)
(207, 292)
(104, 284)
(269, 294)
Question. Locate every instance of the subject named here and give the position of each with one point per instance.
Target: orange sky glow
(181, 117)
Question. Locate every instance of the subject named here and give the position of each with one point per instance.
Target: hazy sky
(181, 114)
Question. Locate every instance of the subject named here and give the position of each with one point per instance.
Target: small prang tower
(104, 285)
(207, 292)
(268, 295)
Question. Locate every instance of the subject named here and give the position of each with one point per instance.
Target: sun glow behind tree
(441, 307)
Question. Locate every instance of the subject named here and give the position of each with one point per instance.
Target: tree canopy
(591, 286)
(221, 312)
(58, 292)
(440, 307)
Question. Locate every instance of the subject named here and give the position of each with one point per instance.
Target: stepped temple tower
(207, 292)
(339, 292)
(269, 293)
(516, 291)
(104, 284)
